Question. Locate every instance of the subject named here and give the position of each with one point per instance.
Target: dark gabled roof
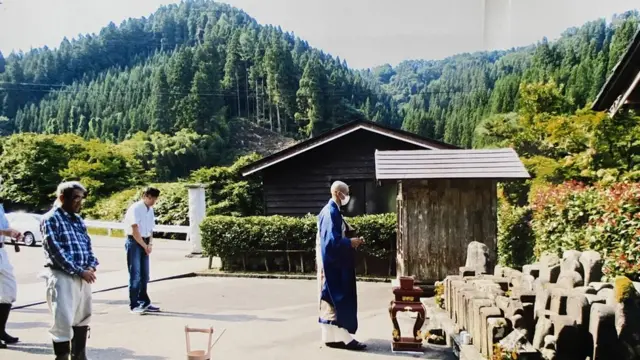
(621, 78)
(339, 132)
(449, 164)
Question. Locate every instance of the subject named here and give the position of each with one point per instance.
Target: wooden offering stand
(407, 298)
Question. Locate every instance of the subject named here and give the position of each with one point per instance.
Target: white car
(29, 225)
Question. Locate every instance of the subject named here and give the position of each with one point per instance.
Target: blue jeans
(138, 264)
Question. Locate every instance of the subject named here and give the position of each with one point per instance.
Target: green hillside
(199, 64)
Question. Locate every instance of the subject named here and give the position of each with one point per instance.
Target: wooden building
(297, 180)
(621, 91)
(445, 199)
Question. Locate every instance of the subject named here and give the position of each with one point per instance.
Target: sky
(365, 33)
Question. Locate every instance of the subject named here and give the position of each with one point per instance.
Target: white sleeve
(132, 217)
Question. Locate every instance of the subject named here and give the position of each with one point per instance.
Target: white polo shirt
(139, 213)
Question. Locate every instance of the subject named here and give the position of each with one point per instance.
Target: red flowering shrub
(601, 218)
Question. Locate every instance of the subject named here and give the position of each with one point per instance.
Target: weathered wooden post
(197, 212)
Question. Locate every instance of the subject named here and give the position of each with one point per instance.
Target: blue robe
(338, 262)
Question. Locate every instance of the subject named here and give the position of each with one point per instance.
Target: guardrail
(111, 225)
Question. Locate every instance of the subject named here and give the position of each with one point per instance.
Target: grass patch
(104, 232)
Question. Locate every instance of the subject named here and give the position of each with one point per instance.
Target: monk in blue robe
(335, 260)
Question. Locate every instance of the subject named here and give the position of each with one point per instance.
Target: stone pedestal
(197, 213)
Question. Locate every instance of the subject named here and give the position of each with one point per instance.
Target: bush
(229, 237)
(601, 218)
(617, 231)
(228, 192)
(561, 214)
(515, 237)
(113, 207)
(172, 208)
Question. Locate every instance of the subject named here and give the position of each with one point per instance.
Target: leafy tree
(30, 166)
(311, 101)
(160, 104)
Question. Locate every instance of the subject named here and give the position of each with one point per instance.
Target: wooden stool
(198, 354)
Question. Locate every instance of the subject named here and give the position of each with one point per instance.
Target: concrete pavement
(167, 260)
(263, 318)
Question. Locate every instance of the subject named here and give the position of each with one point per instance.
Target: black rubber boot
(5, 309)
(79, 343)
(62, 350)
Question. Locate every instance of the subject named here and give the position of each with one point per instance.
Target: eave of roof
(339, 132)
(620, 76)
(449, 164)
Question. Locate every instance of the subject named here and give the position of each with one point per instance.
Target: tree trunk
(278, 115)
(286, 125)
(270, 113)
(264, 97)
(246, 73)
(257, 102)
(238, 93)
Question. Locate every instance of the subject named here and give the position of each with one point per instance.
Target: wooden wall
(436, 221)
(300, 185)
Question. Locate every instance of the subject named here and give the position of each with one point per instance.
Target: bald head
(339, 186)
(340, 193)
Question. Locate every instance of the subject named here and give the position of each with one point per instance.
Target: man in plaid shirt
(71, 267)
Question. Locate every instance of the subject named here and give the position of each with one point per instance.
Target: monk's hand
(355, 242)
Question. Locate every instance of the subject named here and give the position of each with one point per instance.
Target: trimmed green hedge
(231, 237)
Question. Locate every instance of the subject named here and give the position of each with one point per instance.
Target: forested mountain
(193, 65)
(447, 99)
(199, 64)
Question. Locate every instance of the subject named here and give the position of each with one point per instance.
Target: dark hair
(151, 192)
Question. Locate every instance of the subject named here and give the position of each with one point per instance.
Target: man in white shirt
(139, 221)
(8, 284)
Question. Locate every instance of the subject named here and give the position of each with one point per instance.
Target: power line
(230, 92)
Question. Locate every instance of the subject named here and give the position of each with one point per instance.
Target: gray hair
(66, 187)
(339, 186)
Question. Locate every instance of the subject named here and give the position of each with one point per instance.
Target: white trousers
(8, 285)
(330, 333)
(69, 300)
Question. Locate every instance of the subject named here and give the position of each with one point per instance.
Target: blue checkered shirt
(67, 245)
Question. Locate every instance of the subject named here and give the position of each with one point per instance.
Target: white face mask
(345, 201)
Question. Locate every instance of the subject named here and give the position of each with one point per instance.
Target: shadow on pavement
(110, 302)
(30, 310)
(107, 353)
(26, 325)
(383, 347)
(31, 348)
(120, 353)
(219, 317)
